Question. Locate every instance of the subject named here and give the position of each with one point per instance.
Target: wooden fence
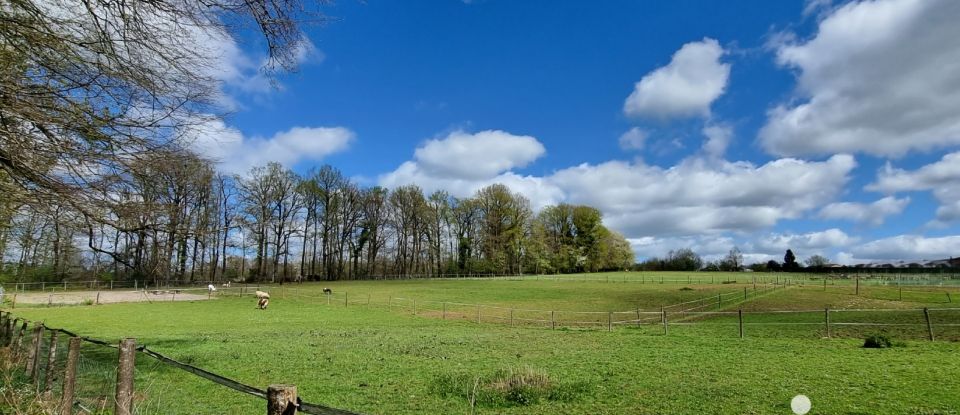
(27, 343)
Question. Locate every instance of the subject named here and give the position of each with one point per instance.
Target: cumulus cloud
(880, 77)
(718, 138)
(694, 196)
(941, 177)
(814, 242)
(462, 163)
(236, 153)
(685, 87)
(909, 247)
(462, 155)
(870, 213)
(633, 139)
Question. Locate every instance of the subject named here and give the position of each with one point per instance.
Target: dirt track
(106, 297)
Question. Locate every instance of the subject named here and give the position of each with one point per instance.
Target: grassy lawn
(382, 360)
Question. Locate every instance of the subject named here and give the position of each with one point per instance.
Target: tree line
(172, 216)
(685, 259)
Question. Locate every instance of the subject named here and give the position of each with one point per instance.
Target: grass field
(384, 360)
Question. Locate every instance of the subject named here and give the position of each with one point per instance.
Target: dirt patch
(107, 297)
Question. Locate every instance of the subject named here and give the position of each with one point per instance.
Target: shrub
(686, 289)
(877, 341)
(88, 301)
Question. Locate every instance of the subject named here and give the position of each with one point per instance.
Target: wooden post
(70, 377)
(663, 316)
(609, 321)
(444, 311)
(638, 317)
(111, 285)
(414, 306)
(719, 302)
(478, 313)
(51, 362)
(901, 291)
(948, 298)
(926, 316)
(826, 320)
(553, 321)
(858, 285)
(344, 298)
(368, 299)
(14, 301)
(98, 297)
(740, 317)
(511, 316)
(18, 339)
(744, 293)
(49, 300)
(33, 354)
(124, 393)
(281, 400)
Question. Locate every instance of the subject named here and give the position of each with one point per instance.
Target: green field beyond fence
(605, 343)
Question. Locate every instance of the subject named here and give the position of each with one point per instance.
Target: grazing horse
(263, 299)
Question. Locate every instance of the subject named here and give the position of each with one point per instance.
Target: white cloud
(463, 163)
(941, 177)
(909, 247)
(880, 77)
(633, 139)
(718, 138)
(686, 87)
(237, 154)
(812, 242)
(695, 196)
(462, 155)
(873, 213)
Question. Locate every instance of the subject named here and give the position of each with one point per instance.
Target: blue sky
(827, 127)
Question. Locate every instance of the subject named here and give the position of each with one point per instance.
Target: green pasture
(382, 359)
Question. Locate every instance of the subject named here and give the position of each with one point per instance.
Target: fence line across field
(13, 336)
(951, 279)
(637, 317)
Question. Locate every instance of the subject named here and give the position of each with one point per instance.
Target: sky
(827, 127)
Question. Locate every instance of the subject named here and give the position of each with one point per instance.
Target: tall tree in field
(790, 261)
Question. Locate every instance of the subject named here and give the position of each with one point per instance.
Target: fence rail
(38, 365)
(950, 278)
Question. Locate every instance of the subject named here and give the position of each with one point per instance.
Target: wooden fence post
(826, 320)
(511, 316)
(444, 315)
(478, 313)
(281, 400)
(663, 316)
(345, 298)
(553, 321)
(51, 362)
(609, 321)
(18, 339)
(638, 317)
(719, 302)
(926, 316)
(70, 377)
(13, 303)
(948, 298)
(414, 306)
(744, 293)
(125, 366)
(858, 285)
(740, 317)
(33, 355)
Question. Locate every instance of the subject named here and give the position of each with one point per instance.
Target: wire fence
(87, 375)
(942, 278)
(719, 315)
